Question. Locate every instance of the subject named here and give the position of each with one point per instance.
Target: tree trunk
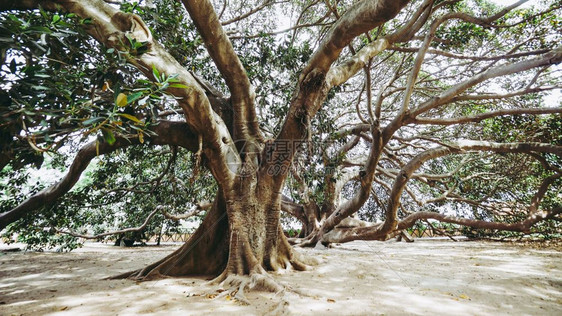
(240, 236)
(205, 253)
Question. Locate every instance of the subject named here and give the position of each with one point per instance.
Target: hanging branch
(160, 208)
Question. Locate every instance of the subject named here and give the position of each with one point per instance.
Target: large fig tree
(416, 110)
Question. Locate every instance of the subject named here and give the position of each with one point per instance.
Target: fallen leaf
(331, 300)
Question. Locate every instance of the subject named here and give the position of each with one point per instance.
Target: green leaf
(108, 136)
(173, 78)
(155, 73)
(40, 88)
(38, 29)
(92, 120)
(179, 85)
(41, 75)
(133, 97)
(56, 18)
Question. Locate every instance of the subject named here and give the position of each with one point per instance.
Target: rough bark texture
(205, 253)
(237, 237)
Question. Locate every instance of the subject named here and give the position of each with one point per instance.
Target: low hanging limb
(160, 208)
(122, 231)
(196, 210)
(165, 133)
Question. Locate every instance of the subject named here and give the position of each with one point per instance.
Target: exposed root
(236, 286)
(312, 239)
(301, 261)
(294, 241)
(125, 275)
(280, 309)
(258, 279)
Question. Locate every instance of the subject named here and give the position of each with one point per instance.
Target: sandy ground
(359, 278)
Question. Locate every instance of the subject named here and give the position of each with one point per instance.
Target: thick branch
(551, 58)
(523, 226)
(362, 17)
(167, 132)
(221, 51)
(343, 72)
(374, 232)
(487, 115)
(114, 28)
(313, 87)
(122, 231)
(461, 147)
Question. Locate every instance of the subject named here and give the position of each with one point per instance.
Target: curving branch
(552, 57)
(523, 226)
(166, 133)
(487, 115)
(366, 177)
(439, 52)
(449, 95)
(199, 207)
(252, 11)
(362, 17)
(406, 172)
(122, 231)
(392, 225)
(229, 65)
(313, 87)
(160, 208)
(115, 29)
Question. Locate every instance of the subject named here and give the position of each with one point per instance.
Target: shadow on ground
(358, 278)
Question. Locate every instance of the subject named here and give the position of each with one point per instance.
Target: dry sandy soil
(358, 278)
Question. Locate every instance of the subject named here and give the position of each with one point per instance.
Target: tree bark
(237, 237)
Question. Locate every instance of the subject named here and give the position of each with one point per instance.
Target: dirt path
(360, 278)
